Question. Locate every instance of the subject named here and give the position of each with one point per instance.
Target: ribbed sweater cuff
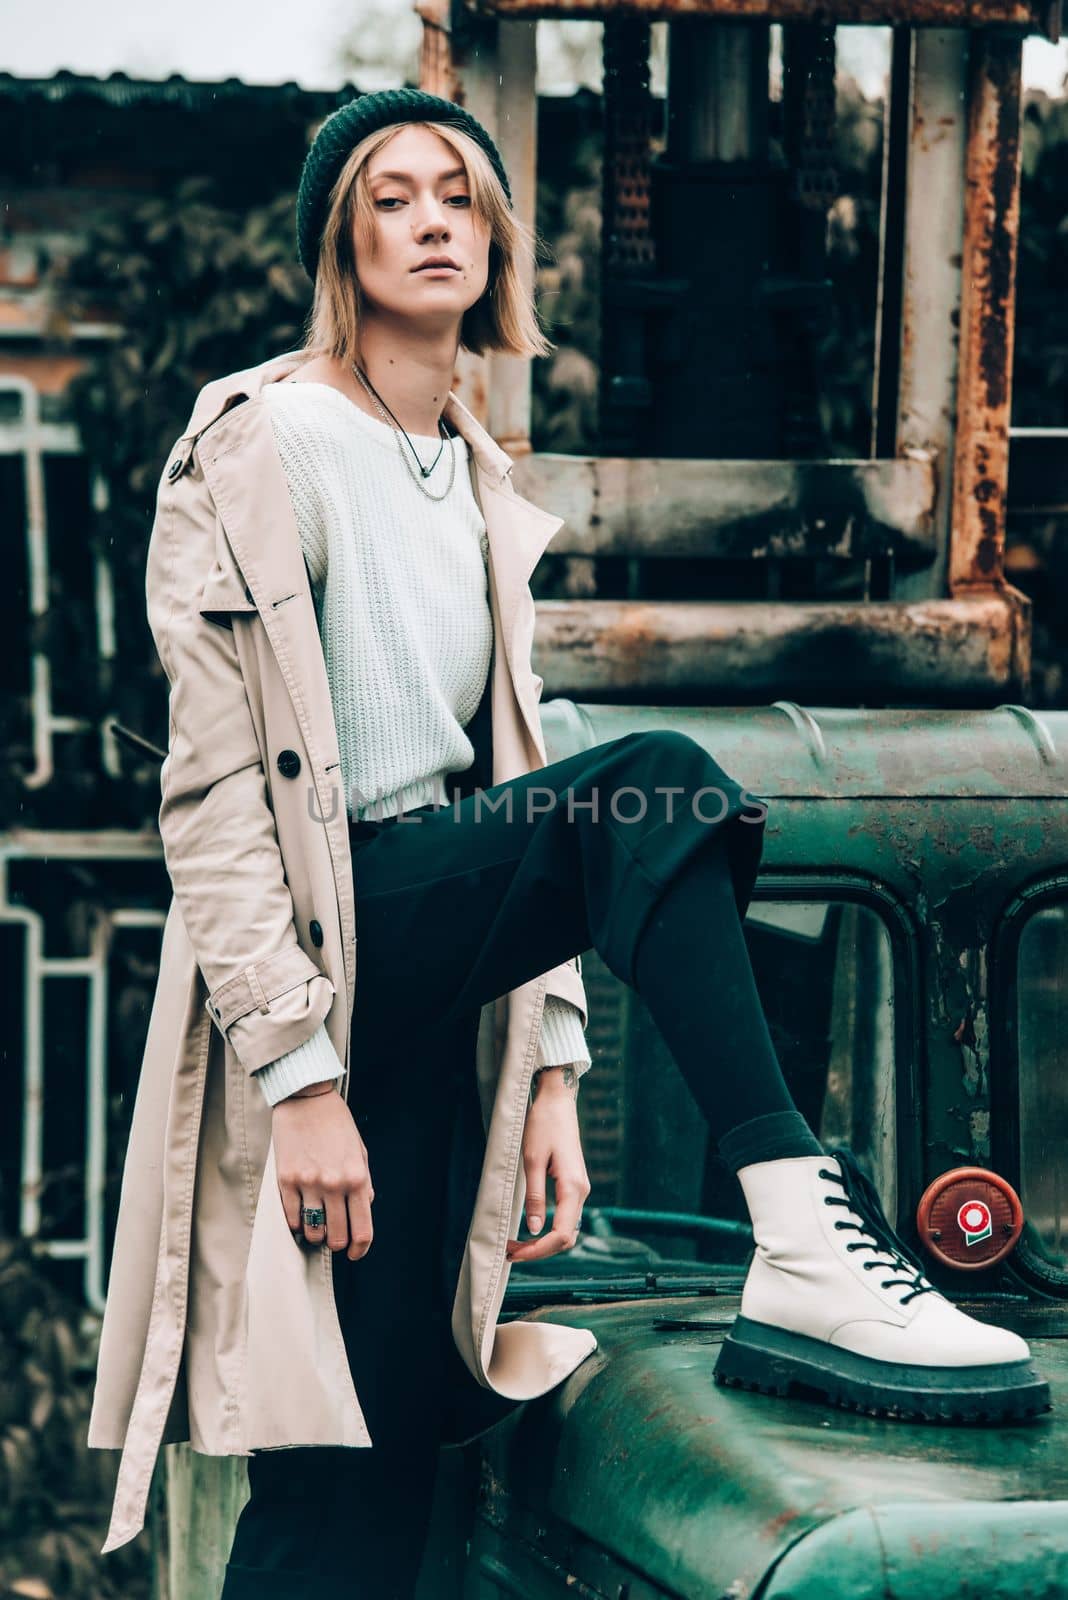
(311, 1062)
(562, 1041)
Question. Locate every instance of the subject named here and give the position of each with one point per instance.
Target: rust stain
(639, 635)
(964, 1032)
(1001, 175)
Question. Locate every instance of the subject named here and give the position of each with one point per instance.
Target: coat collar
(218, 397)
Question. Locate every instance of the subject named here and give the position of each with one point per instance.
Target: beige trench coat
(219, 1327)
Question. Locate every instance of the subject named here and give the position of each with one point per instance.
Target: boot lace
(877, 1236)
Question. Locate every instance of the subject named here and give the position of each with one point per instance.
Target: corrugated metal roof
(120, 90)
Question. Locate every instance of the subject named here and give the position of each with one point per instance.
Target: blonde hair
(503, 319)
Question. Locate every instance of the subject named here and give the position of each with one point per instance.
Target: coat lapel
(518, 534)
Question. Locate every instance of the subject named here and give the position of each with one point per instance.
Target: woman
(338, 583)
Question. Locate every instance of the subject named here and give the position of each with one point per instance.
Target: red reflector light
(969, 1218)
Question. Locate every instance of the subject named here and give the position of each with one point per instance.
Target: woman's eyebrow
(453, 172)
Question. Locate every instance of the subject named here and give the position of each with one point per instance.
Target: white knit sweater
(400, 591)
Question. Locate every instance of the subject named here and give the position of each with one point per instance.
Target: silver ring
(313, 1216)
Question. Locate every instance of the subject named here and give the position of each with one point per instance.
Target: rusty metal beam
(624, 506)
(1030, 15)
(949, 651)
(984, 392)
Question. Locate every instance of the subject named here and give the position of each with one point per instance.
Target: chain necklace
(425, 472)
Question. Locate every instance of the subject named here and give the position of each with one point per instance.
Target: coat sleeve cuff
(311, 1062)
(272, 1006)
(562, 1041)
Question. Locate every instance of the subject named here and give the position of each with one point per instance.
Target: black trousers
(641, 847)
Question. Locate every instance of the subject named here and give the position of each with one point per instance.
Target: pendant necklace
(425, 472)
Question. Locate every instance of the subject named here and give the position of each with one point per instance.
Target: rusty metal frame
(987, 324)
(1038, 16)
(971, 636)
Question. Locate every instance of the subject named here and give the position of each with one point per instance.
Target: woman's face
(421, 200)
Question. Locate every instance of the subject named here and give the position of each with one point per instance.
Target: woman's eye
(395, 200)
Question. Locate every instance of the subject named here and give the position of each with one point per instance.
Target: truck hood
(717, 1493)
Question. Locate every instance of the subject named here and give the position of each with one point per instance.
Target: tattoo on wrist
(568, 1076)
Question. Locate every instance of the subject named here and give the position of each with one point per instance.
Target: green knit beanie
(343, 130)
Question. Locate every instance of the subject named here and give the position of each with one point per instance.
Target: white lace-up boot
(836, 1306)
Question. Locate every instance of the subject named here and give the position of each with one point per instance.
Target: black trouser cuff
(775, 1137)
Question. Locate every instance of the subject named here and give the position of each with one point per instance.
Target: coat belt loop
(257, 989)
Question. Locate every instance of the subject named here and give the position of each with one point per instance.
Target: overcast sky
(323, 43)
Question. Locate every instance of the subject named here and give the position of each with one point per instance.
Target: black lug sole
(775, 1361)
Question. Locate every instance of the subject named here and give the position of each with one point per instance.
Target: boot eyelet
(869, 1264)
(824, 1174)
(839, 1226)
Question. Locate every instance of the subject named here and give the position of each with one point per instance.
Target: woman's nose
(433, 217)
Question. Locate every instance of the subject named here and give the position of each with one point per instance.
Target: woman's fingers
(348, 1217)
(535, 1204)
(571, 1192)
(296, 1199)
(361, 1231)
(337, 1218)
(290, 1193)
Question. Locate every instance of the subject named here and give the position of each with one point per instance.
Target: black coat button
(316, 931)
(174, 469)
(288, 763)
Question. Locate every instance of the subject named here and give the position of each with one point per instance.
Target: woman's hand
(551, 1146)
(322, 1161)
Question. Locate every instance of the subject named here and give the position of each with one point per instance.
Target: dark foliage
(55, 1493)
